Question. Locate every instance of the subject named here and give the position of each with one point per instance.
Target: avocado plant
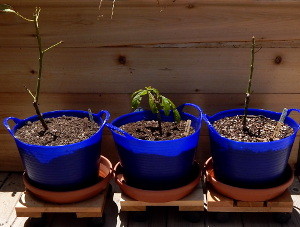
(4, 8)
(157, 103)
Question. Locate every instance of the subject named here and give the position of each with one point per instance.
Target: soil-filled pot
(59, 168)
(250, 164)
(156, 165)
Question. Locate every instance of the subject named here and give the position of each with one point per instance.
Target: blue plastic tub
(156, 165)
(246, 164)
(61, 168)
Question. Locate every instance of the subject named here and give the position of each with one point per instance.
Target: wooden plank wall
(194, 51)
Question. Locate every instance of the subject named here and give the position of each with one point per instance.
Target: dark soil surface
(62, 131)
(148, 130)
(259, 129)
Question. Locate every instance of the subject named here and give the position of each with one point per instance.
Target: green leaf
(153, 90)
(4, 8)
(136, 92)
(136, 100)
(165, 105)
(156, 91)
(152, 103)
(176, 115)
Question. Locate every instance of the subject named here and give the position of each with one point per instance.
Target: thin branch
(23, 17)
(112, 9)
(247, 99)
(100, 4)
(38, 86)
(258, 50)
(29, 92)
(54, 45)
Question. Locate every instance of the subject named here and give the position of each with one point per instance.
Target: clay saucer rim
(105, 171)
(245, 194)
(154, 196)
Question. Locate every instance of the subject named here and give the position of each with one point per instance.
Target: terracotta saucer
(159, 196)
(105, 172)
(245, 194)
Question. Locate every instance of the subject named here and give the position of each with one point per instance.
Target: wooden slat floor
(11, 186)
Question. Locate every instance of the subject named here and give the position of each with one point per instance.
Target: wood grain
(219, 203)
(29, 205)
(144, 22)
(171, 70)
(9, 196)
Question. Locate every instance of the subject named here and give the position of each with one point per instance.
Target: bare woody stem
(248, 92)
(36, 107)
(41, 55)
(39, 78)
(157, 101)
(8, 9)
(159, 124)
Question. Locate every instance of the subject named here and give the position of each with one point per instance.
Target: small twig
(258, 50)
(100, 4)
(91, 115)
(159, 124)
(112, 9)
(247, 99)
(23, 17)
(54, 45)
(187, 128)
(280, 123)
(29, 92)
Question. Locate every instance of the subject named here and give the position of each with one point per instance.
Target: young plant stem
(36, 107)
(39, 78)
(248, 92)
(41, 55)
(159, 124)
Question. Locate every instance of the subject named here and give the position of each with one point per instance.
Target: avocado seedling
(251, 128)
(4, 8)
(157, 103)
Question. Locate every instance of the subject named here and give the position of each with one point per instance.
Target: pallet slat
(219, 203)
(192, 202)
(30, 206)
(285, 200)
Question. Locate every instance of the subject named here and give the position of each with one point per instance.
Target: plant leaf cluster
(156, 101)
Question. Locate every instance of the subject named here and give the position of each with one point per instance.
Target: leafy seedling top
(157, 102)
(4, 8)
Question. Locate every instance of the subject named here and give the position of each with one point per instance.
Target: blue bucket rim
(35, 117)
(207, 118)
(199, 120)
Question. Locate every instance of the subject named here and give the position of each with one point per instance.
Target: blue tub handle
(181, 107)
(100, 115)
(6, 124)
(114, 128)
(290, 110)
(205, 118)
